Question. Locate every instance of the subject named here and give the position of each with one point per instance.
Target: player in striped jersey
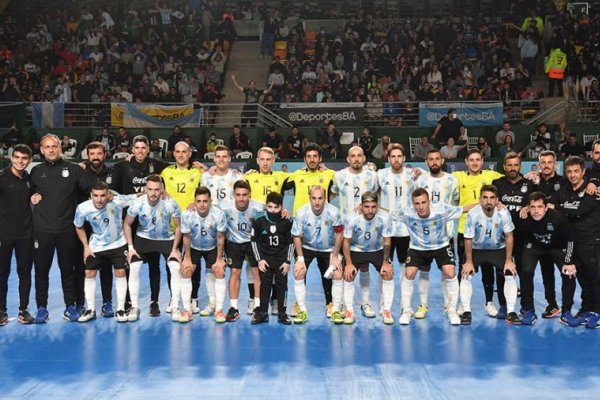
(427, 226)
(106, 247)
(203, 233)
(364, 236)
(443, 189)
(317, 234)
(349, 184)
(221, 182)
(155, 234)
(240, 216)
(489, 240)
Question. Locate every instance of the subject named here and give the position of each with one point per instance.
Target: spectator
(252, 98)
(329, 139)
(507, 146)
(275, 141)
(69, 149)
(448, 127)
(156, 149)
(238, 141)
(211, 143)
(484, 147)
(380, 151)
(423, 148)
(193, 149)
(270, 30)
(366, 142)
(450, 150)
(176, 137)
(572, 148)
(108, 141)
(124, 140)
(13, 137)
(84, 90)
(542, 140)
(555, 69)
(505, 131)
(296, 143)
(560, 137)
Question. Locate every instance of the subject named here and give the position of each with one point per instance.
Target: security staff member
(16, 230)
(56, 184)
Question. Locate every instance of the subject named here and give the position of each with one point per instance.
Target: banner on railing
(48, 115)
(154, 115)
(471, 114)
(315, 114)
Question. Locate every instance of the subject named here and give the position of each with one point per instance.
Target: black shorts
(115, 257)
(361, 260)
(323, 257)
(145, 247)
(496, 258)
(237, 253)
(210, 257)
(400, 246)
(421, 258)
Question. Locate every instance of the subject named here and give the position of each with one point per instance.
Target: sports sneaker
(107, 310)
(42, 315)
(594, 321)
(121, 316)
(186, 316)
(274, 307)
(25, 318)
(195, 306)
(513, 319)
(259, 317)
(3, 318)
(583, 317)
(175, 315)
(301, 318)
(251, 307)
(407, 314)
(580, 313)
(232, 315)
(387, 317)
(71, 314)
(284, 319)
(337, 318)
(367, 311)
(566, 318)
(133, 314)
(501, 313)
(421, 311)
(551, 311)
(220, 317)
(465, 318)
(454, 318)
(490, 309)
(154, 309)
(87, 315)
(168, 308)
(80, 308)
(349, 318)
(530, 318)
(295, 310)
(207, 311)
(329, 310)
(460, 311)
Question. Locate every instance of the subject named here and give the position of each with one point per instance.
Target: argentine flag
(48, 115)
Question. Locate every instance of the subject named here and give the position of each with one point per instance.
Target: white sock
(407, 286)
(90, 293)
(387, 292)
(365, 287)
(423, 287)
(257, 302)
(380, 291)
(121, 284)
(134, 283)
(300, 291)
(220, 290)
(337, 292)
(186, 293)
(466, 292)
(233, 303)
(510, 292)
(349, 295)
(210, 286)
(175, 269)
(249, 274)
(452, 293)
(444, 289)
(401, 272)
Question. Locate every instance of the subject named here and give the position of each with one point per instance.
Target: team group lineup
(99, 218)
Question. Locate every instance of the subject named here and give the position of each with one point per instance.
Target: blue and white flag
(48, 115)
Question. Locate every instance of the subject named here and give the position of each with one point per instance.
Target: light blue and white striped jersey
(488, 233)
(239, 223)
(443, 189)
(221, 187)
(367, 235)
(203, 230)
(155, 222)
(429, 233)
(349, 187)
(106, 223)
(317, 230)
(395, 192)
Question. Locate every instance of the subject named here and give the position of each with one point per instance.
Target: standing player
(317, 232)
(16, 230)
(428, 242)
(203, 233)
(154, 236)
(364, 236)
(240, 216)
(469, 188)
(106, 247)
(349, 184)
(489, 240)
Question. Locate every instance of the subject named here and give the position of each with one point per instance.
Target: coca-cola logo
(138, 181)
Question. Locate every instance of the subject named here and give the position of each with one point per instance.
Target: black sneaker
(259, 317)
(551, 311)
(154, 309)
(465, 318)
(232, 315)
(25, 318)
(284, 319)
(3, 318)
(127, 306)
(513, 319)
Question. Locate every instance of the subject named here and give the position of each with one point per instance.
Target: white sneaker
(367, 311)
(274, 307)
(168, 308)
(453, 318)
(406, 316)
(251, 307)
(195, 307)
(207, 311)
(121, 316)
(490, 309)
(175, 315)
(133, 314)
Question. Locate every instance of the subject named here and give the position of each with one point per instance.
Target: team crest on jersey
(557, 186)
(191, 178)
(160, 214)
(523, 189)
(581, 194)
(109, 180)
(273, 229)
(65, 173)
(151, 168)
(36, 245)
(529, 245)
(276, 182)
(407, 260)
(550, 227)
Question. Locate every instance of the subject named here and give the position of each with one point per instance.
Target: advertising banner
(471, 114)
(315, 114)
